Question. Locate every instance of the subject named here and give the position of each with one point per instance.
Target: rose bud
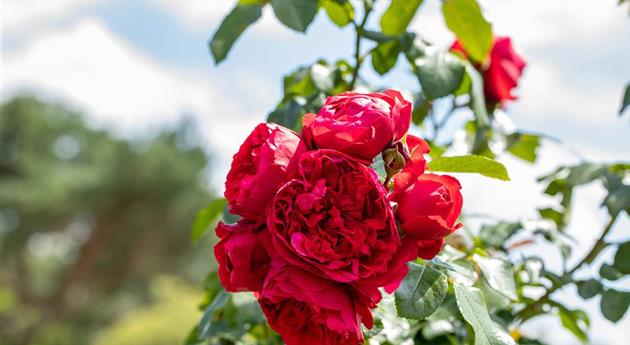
(260, 167)
(428, 210)
(243, 260)
(309, 310)
(501, 72)
(393, 160)
(358, 124)
(334, 219)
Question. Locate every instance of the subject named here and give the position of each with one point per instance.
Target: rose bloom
(334, 219)
(243, 261)
(259, 167)
(309, 310)
(428, 209)
(360, 125)
(501, 72)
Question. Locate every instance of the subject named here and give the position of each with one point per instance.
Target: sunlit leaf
(421, 292)
(498, 274)
(464, 19)
(206, 216)
(231, 28)
(295, 14)
(470, 164)
(339, 13)
(398, 16)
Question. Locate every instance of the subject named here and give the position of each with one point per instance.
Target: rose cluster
(320, 235)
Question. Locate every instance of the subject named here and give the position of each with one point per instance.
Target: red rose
(243, 261)
(334, 219)
(502, 71)
(259, 167)
(428, 209)
(360, 125)
(309, 310)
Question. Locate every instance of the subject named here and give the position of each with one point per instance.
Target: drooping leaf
(470, 164)
(421, 292)
(398, 15)
(205, 325)
(440, 73)
(464, 19)
(231, 28)
(206, 216)
(523, 145)
(295, 14)
(622, 258)
(498, 274)
(477, 97)
(625, 101)
(472, 305)
(385, 56)
(589, 288)
(614, 304)
(340, 13)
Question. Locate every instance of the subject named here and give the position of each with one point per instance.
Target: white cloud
(24, 15)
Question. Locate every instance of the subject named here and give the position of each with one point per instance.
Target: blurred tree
(87, 219)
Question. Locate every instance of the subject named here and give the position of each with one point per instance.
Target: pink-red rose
(501, 72)
(243, 261)
(358, 124)
(428, 209)
(334, 219)
(260, 167)
(310, 310)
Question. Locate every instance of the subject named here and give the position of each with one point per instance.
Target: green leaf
(576, 321)
(495, 235)
(477, 97)
(614, 304)
(421, 292)
(609, 272)
(472, 305)
(498, 274)
(618, 200)
(231, 28)
(622, 258)
(440, 73)
(398, 15)
(464, 19)
(625, 102)
(205, 325)
(421, 107)
(470, 164)
(585, 173)
(295, 14)
(559, 218)
(339, 13)
(288, 114)
(207, 216)
(589, 288)
(523, 145)
(384, 56)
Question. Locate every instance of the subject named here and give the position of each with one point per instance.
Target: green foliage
(421, 292)
(523, 145)
(464, 19)
(207, 216)
(614, 304)
(295, 14)
(439, 73)
(341, 13)
(398, 15)
(470, 164)
(234, 24)
(625, 100)
(472, 305)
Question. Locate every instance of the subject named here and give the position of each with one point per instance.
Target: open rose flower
(501, 72)
(358, 124)
(260, 167)
(334, 219)
(428, 209)
(309, 310)
(243, 261)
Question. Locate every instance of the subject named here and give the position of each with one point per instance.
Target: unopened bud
(394, 161)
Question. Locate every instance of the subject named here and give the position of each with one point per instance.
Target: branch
(589, 257)
(357, 43)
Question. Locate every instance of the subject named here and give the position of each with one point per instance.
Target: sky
(144, 64)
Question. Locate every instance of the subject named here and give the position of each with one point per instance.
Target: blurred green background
(96, 230)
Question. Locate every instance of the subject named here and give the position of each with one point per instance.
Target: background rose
(259, 167)
(309, 310)
(360, 125)
(501, 72)
(334, 218)
(243, 261)
(428, 210)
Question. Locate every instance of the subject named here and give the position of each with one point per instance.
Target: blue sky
(133, 65)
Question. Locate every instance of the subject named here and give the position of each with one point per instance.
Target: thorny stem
(592, 253)
(357, 43)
